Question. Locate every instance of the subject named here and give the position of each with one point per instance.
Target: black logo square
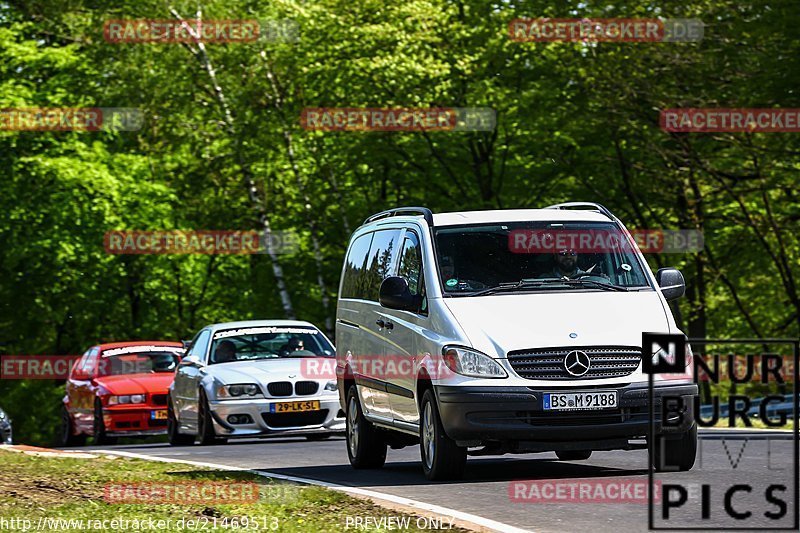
(671, 348)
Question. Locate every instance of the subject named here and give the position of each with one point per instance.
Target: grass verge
(51, 491)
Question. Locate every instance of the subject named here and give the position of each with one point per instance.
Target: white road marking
(483, 524)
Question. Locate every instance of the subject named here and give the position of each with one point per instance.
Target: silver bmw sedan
(255, 379)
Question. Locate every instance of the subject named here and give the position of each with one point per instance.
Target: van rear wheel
(442, 458)
(670, 455)
(574, 455)
(366, 447)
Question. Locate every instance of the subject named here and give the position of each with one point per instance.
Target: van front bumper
(503, 414)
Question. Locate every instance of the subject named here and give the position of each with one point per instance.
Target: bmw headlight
(330, 386)
(126, 399)
(471, 363)
(245, 390)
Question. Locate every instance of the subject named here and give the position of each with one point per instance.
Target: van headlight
(471, 363)
(246, 390)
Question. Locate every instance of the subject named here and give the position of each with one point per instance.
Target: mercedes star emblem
(577, 363)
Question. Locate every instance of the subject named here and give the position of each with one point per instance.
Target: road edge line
(461, 518)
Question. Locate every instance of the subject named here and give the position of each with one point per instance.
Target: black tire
(205, 423)
(67, 436)
(99, 433)
(442, 458)
(366, 447)
(670, 455)
(574, 455)
(319, 437)
(176, 438)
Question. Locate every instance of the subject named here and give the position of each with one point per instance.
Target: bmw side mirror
(672, 284)
(186, 344)
(190, 360)
(395, 294)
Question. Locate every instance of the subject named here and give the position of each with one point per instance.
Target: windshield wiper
(594, 283)
(515, 285)
(528, 284)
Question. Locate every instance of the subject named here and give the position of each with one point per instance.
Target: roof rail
(424, 211)
(596, 207)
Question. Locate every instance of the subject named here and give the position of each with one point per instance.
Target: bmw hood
(503, 323)
(155, 383)
(268, 370)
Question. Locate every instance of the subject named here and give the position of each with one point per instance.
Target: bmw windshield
(542, 256)
(269, 342)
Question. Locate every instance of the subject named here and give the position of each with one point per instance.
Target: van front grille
(548, 363)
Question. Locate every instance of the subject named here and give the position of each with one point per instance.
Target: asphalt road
(757, 459)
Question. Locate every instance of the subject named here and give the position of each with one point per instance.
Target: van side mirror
(671, 281)
(395, 294)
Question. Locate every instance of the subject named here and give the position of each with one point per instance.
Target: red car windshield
(138, 363)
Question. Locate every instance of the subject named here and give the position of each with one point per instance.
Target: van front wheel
(442, 458)
(366, 447)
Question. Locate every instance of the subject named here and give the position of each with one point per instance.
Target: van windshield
(523, 256)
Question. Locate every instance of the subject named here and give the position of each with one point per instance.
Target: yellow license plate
(159, 415)
(294, 407)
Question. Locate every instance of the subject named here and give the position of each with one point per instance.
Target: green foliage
(576, 121)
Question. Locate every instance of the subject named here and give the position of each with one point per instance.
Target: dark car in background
(5, 428)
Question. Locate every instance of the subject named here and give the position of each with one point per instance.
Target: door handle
(380, 323)
(389, 325)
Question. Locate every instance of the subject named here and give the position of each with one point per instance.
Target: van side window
(410, 268)
(411, 263)
(354, 266)
(381, 258)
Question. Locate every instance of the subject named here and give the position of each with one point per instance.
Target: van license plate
(570, 401)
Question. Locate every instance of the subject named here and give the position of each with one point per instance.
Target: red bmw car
(119, 389)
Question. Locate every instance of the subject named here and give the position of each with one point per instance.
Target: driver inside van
(565, 264)
(450, 278)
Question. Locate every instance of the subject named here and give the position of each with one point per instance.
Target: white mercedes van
(508, 331)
